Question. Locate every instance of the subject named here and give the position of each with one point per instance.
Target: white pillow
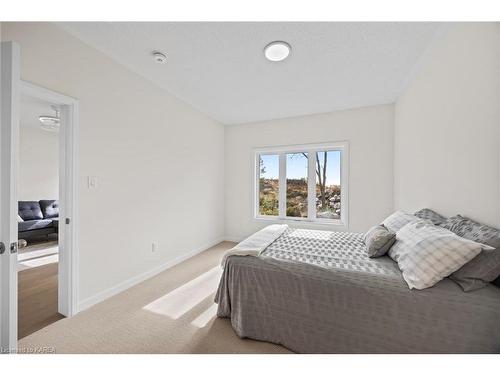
(398, 220)
(427, 254)
(19, 219)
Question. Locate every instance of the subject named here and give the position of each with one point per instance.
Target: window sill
(337, 224)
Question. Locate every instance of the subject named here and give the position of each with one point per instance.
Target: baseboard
(233, 239)
(105, 294)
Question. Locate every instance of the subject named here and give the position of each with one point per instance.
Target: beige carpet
(172, 312)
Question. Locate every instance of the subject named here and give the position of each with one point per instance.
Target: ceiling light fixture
(277, 51)
(159, 57)
(51, 123)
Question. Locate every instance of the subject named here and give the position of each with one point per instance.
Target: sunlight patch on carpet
(181, 300)
(205, 317)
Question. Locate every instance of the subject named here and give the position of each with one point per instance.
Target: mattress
(318, 292)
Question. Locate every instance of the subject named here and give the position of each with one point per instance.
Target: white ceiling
(220, 69)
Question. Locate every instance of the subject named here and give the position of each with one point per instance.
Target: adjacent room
(252, 187)
(38, 210)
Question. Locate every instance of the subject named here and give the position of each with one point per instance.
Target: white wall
(38, 164)
(159, 163)
(369, 131)
(447, 127)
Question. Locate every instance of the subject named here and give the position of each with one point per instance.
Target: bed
(318, 292)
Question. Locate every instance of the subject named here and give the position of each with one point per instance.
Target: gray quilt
(318, 292)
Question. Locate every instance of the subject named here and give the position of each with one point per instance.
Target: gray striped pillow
(483, 269)
(432, 216)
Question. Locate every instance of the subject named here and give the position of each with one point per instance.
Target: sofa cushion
(50, 208)
(34, 224)
(29, 210)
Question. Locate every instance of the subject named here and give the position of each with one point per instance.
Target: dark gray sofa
(38, 218)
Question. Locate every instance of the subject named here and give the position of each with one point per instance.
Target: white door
(9, 140)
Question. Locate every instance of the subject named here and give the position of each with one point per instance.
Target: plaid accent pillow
(426, 253)
(398, 220)
(432, 216)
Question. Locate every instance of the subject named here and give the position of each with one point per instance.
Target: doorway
(12, 89)
(55, 251)
(38, 214)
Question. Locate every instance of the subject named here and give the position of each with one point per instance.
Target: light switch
(92, 182)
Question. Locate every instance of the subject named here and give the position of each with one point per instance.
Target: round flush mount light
(277, 51)
(159, 57)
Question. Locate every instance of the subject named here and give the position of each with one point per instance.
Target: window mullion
(282, 185)
(257, 185)
(311, 186)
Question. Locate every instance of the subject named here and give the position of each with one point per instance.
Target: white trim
(301, 147)
(281, 187)
(344, 181)
(311, 148)
(311, 188)
(40, 92)
(233, 239)
(298, 220)
(68, 278)
(121, 287)
(256, 191)
(9, 155)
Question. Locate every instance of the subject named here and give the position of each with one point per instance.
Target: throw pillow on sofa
(50, 208)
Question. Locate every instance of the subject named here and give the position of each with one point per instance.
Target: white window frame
(310, 148)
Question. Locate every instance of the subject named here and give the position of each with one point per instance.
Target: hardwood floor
(37, 294)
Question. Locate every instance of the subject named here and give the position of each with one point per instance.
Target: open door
(9, 133)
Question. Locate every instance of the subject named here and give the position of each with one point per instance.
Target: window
(269, 185)
(328, 191)
(307, 182)
(296, 184)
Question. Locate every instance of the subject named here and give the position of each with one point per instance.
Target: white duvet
(256, 243)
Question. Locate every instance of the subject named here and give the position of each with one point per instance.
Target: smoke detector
(51, 123)
(159, 57)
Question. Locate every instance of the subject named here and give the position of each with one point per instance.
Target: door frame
(9, 140)
(68, 193)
